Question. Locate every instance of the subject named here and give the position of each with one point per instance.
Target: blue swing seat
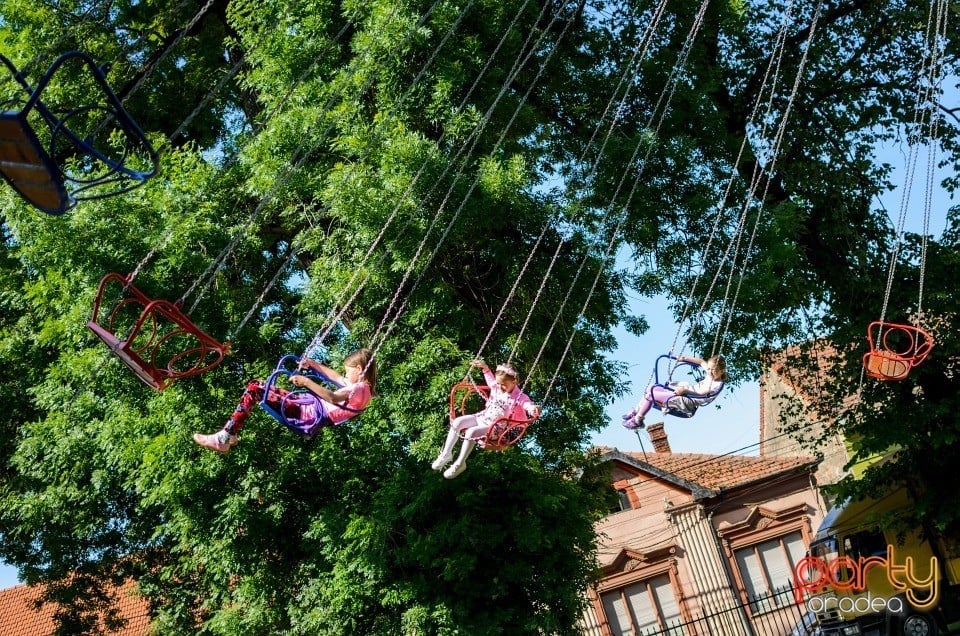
(89, 151)
(681, 405)
(298, 409)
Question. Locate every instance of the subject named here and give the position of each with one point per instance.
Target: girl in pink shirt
(506, 401)
(308, 412)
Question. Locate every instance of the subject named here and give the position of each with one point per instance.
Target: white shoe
(221, 441)
(455, 469)
(441, 461)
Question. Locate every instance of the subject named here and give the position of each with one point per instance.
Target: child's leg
(446, 452)
(460, 424)
(251, 397)
(475, 432)
(657, 394)
(654, 393)
(471, 436)
(465, 451)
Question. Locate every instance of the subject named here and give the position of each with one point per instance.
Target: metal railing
(773, 614)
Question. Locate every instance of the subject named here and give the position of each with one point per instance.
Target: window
(864, 544)
(767, 568)
(624, 503)
(646, 607)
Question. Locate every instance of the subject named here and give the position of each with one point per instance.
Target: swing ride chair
(51, 164)
(502, 434)
(304, 426)
(895, 349)
(677, 406)
(161, 344)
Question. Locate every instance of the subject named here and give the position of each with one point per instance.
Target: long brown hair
(363, 358)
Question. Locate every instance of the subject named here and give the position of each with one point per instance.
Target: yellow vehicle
(865, 576)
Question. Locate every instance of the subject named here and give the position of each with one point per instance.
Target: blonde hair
(363, 358)
(507, 371)
(719, 367)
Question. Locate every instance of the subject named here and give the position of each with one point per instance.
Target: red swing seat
(54, 159)
(160, 343)
(895, 349)
(503, 433)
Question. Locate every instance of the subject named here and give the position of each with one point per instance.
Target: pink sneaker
(221, 441)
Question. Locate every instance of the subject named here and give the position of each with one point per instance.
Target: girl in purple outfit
(681, 396)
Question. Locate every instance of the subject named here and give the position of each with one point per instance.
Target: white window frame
(770, 596)
(653, 590)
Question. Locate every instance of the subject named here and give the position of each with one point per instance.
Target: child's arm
(531, 409)
(680, 387)
(340, 395)
(487, 373)
(327, 372)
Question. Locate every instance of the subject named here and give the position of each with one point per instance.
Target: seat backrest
(27, 167)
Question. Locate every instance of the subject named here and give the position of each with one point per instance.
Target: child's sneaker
(441, 461)
(634, 423)
(221, 441)
(455, 469)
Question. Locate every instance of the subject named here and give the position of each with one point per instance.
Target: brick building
(702, 544)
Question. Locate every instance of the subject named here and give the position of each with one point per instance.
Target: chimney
(659, 438)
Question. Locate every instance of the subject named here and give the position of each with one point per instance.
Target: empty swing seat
(503, 433)
(28, 168)
(154, 338)
(895, 349)
(54, 157)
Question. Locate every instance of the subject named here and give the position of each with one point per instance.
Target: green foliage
(374, 144)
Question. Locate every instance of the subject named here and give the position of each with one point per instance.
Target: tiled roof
(720, 472)
(19, 616)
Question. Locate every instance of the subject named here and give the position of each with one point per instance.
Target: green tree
(367, 158)
(811, 270)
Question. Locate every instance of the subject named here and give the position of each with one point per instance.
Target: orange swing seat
(895, 349)
(503, 433)
(27, 167)
(154, 338)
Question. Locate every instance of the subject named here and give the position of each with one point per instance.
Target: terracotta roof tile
(718, 472)
(19, 616)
